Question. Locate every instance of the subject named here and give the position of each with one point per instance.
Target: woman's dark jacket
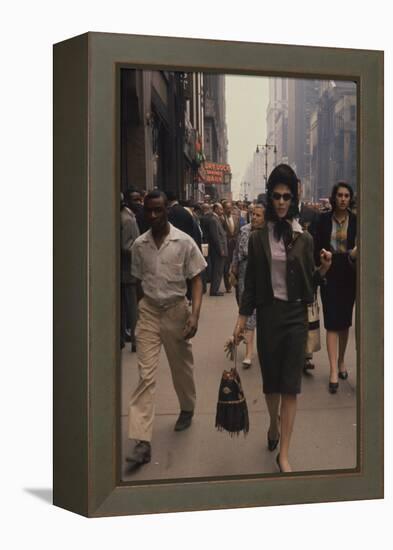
(302, 277)
(323, 234)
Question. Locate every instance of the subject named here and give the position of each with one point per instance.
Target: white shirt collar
(296, 226)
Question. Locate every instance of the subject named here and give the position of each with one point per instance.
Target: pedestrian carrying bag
(232, 411)
(314, 331)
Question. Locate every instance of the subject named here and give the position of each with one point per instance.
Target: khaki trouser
(156, 326)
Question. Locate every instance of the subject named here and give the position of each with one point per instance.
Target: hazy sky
(247, 98)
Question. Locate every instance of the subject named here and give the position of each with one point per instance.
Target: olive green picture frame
(86, 274)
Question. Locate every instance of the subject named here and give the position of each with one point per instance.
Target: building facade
(333, 136)
(161, 131)
(215, 134)
(312, 124)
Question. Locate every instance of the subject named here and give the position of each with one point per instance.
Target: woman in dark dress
(280, 281)
(336, 232)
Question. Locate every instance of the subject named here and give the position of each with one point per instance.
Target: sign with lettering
(217, 173)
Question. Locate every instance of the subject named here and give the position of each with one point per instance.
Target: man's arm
(191, 326)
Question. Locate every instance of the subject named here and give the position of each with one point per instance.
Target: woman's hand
(354, 253)
(238, 333)
(326, 261)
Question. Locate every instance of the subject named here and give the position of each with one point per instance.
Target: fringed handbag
(232, 411)
(314, 335)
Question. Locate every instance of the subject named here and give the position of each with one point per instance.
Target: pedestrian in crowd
(238, 268)
(205, 221)
(336, 232)
(164, 258)
(250, 210)
(197, 212)
(231, 224)
(128, 301)
(134, 201)
(243, 214)
(280, 281)
(218, 249)
(308, 219)
(182, 219)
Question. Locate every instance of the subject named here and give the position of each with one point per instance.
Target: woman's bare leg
(249, 337)
(331, 344)
(273, 405)
(288, 414)
(342, 346)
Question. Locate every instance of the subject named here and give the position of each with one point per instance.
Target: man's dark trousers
(217, 263)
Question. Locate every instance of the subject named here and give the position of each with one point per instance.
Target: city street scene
(238, 248)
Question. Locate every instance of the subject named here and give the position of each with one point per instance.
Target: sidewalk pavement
(324, 436)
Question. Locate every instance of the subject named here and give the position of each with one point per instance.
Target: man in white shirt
(164, 258)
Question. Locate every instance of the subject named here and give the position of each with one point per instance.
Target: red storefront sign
(215, 173)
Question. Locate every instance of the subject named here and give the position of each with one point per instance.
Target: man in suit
(128, 233)
(218, 248)
(308, 216)
(179, 217)
(231, 224)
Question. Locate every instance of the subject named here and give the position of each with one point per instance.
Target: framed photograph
(208, 123)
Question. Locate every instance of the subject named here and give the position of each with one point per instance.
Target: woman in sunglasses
(280, 281)
(336, 231)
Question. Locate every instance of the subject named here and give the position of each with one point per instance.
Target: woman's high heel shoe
(343, 375)
(333, 387)
(272, 443)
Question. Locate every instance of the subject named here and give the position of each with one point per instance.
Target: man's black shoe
(184, 420)
(217, 294)
(141, 454)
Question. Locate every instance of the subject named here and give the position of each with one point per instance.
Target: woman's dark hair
(333, 195)
(156, 194)
(285, 175)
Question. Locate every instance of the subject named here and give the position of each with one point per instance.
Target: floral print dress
(240, 261)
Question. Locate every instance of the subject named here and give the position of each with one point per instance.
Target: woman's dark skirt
(281, 342)
(338, 295)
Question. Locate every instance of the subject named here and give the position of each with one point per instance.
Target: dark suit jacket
(308, 217)
(236, 221)
(323, 233)
(140, 216)
(217, 237)
(302, 278)
(180, 218)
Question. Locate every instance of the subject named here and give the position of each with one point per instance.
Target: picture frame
(86, 268)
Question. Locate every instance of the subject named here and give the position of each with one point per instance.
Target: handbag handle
(235, 357)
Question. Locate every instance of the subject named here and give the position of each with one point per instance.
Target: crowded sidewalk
(325, 431)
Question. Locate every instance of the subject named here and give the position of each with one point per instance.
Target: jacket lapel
(351, 231)
(264, 242)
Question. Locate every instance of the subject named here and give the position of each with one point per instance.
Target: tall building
(312, 123)
(303, 96)
(253, 182)
(215, 133)
(334, 138)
